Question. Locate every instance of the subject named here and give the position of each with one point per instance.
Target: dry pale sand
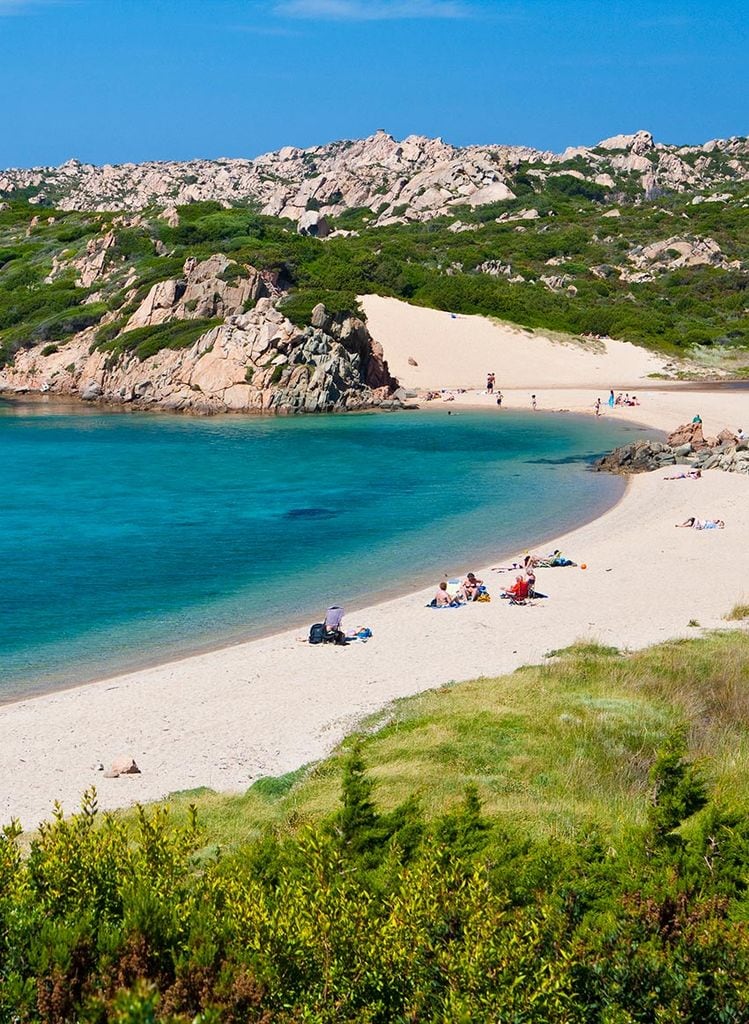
(224, 718)
(458, 351)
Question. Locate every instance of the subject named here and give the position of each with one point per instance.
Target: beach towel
(362, 633)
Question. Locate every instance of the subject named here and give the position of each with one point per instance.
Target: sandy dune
(458, 351)
(224, 718)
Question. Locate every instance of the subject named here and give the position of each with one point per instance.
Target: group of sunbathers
(469, 590)
(473, 589)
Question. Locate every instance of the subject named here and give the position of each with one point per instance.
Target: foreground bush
(374, 917)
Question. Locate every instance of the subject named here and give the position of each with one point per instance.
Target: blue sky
(118, 80)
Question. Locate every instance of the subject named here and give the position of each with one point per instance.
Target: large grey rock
(91, 391)
(314, 223)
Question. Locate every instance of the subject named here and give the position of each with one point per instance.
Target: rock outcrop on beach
(415, 179)
(686, 446)
(249, 357)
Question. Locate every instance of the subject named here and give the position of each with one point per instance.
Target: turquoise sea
(128, 538)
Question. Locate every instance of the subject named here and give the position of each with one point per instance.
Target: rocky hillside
(413, 180)
(209, 341)
(208, 306)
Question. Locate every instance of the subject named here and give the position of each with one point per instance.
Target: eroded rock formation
(414, 179)
(256, 360)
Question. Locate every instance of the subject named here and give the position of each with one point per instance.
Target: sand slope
(459, 351)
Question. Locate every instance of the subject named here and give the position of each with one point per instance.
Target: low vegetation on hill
(664, 273)
(566, 844)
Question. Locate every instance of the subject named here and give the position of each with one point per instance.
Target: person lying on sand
(702, 524)
(693, 474)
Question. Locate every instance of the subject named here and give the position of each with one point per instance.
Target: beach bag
(317, 633)
(484, 596)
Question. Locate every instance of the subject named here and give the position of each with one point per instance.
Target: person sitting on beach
(697, 419)
(442, 599)
(334, 625)
(469, 589)
(740, 435)
(530, 575)
(702, 524)
(518, 591)
(693, 474)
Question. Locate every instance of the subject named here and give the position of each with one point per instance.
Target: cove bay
(134, 538)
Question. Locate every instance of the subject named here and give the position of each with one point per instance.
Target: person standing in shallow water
(598, 407)
(611, 399)
(534, 404)
(500, 396)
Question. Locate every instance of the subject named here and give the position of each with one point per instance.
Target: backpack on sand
(317, 633)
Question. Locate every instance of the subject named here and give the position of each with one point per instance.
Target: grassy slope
(556, 746)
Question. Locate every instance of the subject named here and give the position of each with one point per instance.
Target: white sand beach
(224, 718)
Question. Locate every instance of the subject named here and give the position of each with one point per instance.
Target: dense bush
(147, 341)
(374, 917)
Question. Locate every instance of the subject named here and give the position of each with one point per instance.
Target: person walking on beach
(612, 400)
(500, 396)
(490, 383)
(534, 405)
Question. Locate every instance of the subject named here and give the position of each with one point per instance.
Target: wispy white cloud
(8, 7)
(372, 10)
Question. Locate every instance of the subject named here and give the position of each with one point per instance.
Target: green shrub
(147, 341)
(49, 350)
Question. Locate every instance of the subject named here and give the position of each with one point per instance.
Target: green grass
(147, 341)
(556, 747)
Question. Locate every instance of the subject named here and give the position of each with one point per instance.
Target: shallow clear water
(126, 538)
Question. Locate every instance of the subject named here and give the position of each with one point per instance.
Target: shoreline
(353, 607)
(224, 717)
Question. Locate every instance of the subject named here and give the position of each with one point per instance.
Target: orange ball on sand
(583, 566)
